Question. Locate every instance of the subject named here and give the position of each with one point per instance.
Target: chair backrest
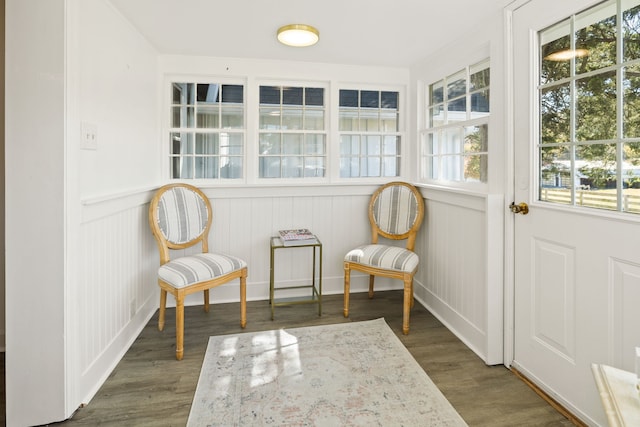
(180, 216)
(396, 211)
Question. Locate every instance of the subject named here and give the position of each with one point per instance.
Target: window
(292, 132)
(454, 142)
(369, 133)
(589, 115)
(207, 131)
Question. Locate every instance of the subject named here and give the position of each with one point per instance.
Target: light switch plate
(89, 137)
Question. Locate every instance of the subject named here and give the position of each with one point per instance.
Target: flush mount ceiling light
(567, 54)
(298, 35)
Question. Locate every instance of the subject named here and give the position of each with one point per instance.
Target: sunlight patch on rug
(347, 374)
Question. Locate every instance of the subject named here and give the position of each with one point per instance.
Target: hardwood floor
(150, 388)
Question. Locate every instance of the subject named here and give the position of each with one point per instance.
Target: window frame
(168, 129)
(429, 132)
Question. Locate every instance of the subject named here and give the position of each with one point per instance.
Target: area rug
(347, 374)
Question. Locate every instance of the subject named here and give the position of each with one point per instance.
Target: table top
(276, 242)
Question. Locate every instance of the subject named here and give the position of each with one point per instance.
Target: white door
(576, 268)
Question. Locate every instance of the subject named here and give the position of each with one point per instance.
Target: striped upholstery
(395, 210)
(384, 257)
(182, 215)
(188, 270)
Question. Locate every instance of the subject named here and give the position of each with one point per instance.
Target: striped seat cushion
(188, 270)
(385, 257)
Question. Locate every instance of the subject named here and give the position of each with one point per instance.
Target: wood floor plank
(150, 388)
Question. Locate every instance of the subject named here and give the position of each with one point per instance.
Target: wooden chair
(396, 211)
(180, 217)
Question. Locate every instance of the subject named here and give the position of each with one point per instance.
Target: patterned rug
(348, 374)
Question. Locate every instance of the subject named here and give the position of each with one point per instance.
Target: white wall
(70, 62)
(35, 200)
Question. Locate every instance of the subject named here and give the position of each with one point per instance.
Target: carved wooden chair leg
(206, 300)
(371, 280)
(406, 307)
(179, 327)
(347, 285)
(243, 301)
(163, 304)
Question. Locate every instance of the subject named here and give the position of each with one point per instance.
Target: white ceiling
(393, 33)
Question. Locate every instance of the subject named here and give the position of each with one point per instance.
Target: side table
(315, 288)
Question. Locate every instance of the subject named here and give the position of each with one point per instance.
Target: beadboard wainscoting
(459, 279)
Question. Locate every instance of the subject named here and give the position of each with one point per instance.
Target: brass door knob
(520, 208)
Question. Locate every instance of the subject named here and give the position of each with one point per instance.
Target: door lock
(520, 208)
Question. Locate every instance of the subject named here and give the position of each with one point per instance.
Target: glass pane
(476, 139)
(182, 167)
(314, 144)
(270, 95)
(480, 104)
(181, 143)
(431, 167)
(391, 145)
(314, 166)
(232, 117)
(233, 94)
(436, 115)
(555, 52)
(292, 96)
(208, 93)
(183, 93)
(349, 145)
(371, 145)
(631, 32)
(314, 96)
(452, 142)
(369, 120)
(596, 35)
(292, 167)
(596, 171)
(349, 167)
(231, 167)
(182, 117)
(436, 93)
(631, 175)
(314, 118)
(429, 143)
(269, 167)
(369, 99)
(348, 119)
(456, 85)
(555, 114)
(207, 143)
(391, 166)
(270, 143)
(292, 143)
(596, 107)
(457, 110)
(348, 98)
(389, 100)
(479, 80)
(270, 118)
(631, 101)
(208, 117)
(370, 166)
(231, 143)
(475, 168)
(206, 167)
(292, 118)
(389, 120)
(452, 167)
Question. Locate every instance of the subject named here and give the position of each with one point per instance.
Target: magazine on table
(297, 237)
